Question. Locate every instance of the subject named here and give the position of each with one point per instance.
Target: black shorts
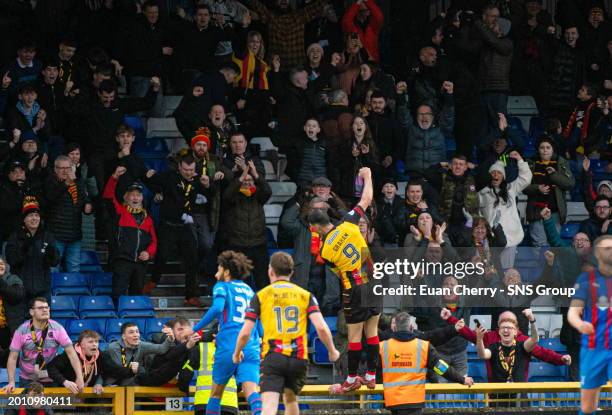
(279, 372)
(359, 303)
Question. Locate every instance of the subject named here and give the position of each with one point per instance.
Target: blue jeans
(139, 86)
(70, 254)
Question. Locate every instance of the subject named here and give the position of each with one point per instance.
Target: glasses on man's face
(62, 168)
(425, 114)
(602, 207)
(42, 308)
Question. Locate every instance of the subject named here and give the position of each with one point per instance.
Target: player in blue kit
(590, 313)
(231, 297)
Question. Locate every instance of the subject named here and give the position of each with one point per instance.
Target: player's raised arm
(368, 190)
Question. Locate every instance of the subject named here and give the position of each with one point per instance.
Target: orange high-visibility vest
(404, 367)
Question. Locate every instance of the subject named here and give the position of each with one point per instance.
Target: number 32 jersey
(283, 309)
(237, 296)
(345, 249)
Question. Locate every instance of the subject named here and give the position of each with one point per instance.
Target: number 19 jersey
(283, 309)
(347, 251)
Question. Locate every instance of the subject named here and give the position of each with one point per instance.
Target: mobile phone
(477, 322)
(354, 36)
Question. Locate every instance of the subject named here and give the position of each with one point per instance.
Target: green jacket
(470, 196)
(564, 181)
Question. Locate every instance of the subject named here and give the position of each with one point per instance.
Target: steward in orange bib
(405, 360)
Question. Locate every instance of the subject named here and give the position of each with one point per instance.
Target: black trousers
(259, 256)
(184, 238)
(128, 277)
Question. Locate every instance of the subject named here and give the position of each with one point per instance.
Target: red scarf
(315, 246)
(567, 132)
(248, 191)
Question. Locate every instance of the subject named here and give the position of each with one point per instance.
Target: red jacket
(369, 35)
(491, 337)
(131, 239)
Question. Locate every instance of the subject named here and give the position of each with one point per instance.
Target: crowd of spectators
(336, 88)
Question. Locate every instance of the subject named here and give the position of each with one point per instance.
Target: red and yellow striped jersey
(283, 309)
(345, 249)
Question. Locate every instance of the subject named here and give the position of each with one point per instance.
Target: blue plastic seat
(135, 306)
(75, 327)
(101, 283)
(136, 123)
(271, 239)
(113, 327)
(89, 258)
(151, 148)
(554, 344)
(97, 307)
(536, 127)
(159, 164)
(570, 229)
(332, 323)
(63, 306)
(102, 345)
(63, 321)
(154, 325)
(545, 372)
(472, 353)
(90, 262)
(477, 370)
(70, 283)
(320, 356)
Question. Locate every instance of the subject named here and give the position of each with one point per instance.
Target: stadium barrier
(542, 396)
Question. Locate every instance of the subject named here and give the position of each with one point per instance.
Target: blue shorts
(246, 371)
(595, 368)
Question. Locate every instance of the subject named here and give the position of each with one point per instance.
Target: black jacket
(17, 120)
(99, 124)
(244, 217)
(31, 257)
(295, 106)
(12, 203)
(12, 295)
(387, 135)
(144, 48)
(229, 163)
(314, 159)
(197, 47)
(63, 215)
(385, 225)
(177, 193)
(61, 370)
(52, 99)
(165, 367)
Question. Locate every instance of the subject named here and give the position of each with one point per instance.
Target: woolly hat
(314, 46)
(30, 205)
(202, 134)
(604, 183)
(498, 166)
